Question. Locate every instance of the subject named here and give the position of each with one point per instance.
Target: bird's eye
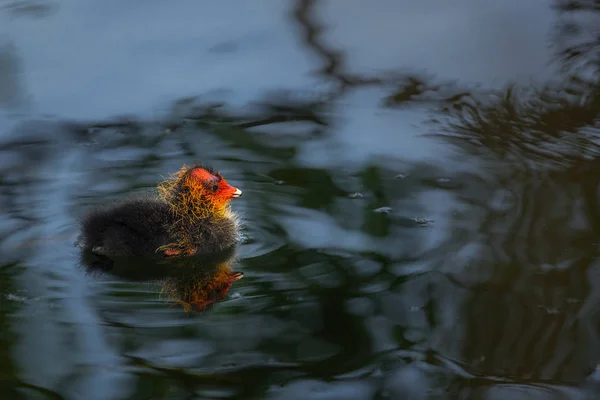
(215, 188)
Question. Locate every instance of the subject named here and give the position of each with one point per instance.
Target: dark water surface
(421, 196)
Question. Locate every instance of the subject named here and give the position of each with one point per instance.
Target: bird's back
(132, 228)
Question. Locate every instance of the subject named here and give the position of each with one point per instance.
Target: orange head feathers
(198, 192)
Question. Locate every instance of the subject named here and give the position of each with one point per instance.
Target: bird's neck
(202, 209)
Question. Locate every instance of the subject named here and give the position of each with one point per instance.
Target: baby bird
(191, 215)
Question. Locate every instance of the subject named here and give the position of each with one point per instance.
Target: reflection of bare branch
(312, 32)
(419, 90)
(333, 68)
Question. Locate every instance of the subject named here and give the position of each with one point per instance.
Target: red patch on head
(203, 175)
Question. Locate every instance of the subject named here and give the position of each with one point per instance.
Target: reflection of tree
(528, 125)
(533, 234)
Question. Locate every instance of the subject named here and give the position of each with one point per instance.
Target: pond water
(420, 209)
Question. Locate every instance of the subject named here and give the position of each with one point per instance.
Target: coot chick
(191, 215)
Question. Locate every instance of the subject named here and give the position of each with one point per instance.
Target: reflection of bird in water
(199, 288)
(196, 282)
(191, 215)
